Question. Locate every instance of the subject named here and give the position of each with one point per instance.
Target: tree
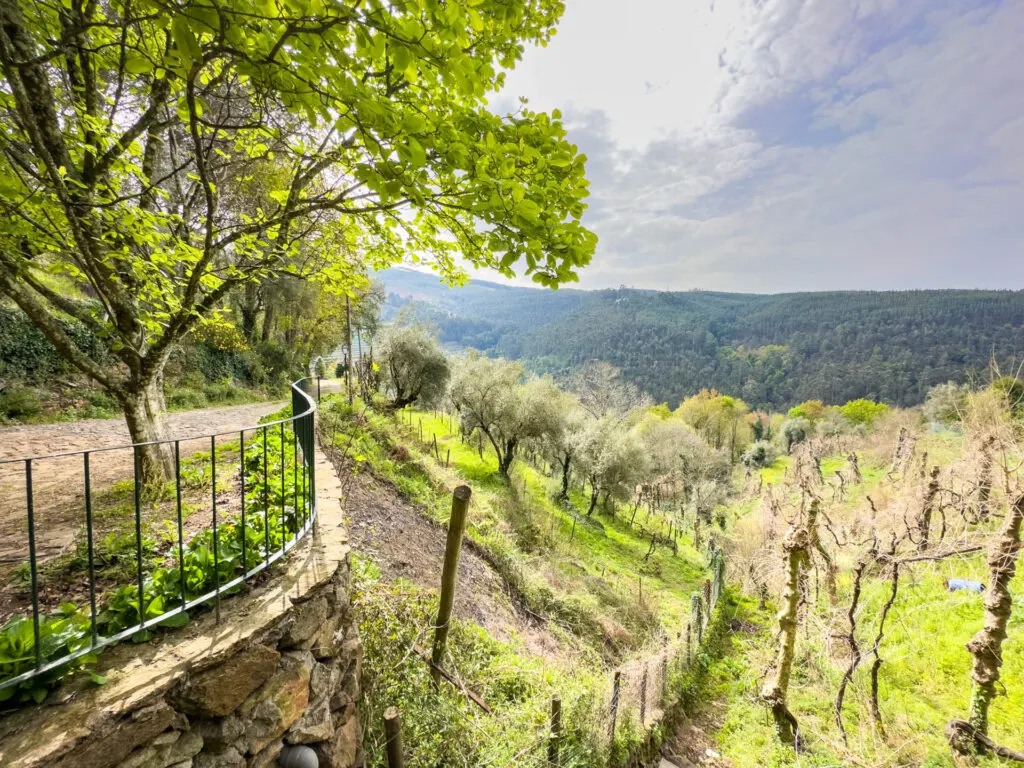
(490, 397)
(130, 132)
(563, 441)
(602, 391)
(718, 419)
(795, 431)
(319, 368)
(863, 412)
(415, 366)
(812, 410)
(611, 458)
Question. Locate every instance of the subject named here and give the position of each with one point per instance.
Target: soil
(58, 486)
(404, 544)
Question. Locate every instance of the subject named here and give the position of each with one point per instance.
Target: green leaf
(138, 65)
(186, 42)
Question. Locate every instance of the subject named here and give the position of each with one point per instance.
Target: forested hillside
(771, 350)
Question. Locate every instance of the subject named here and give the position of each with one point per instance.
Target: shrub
(320, 368)
(339, 370)
(19, 403)
(760, 454)
(185, 399)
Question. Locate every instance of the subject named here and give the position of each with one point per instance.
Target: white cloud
(795, 144)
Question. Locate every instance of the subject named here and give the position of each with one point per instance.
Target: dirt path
(58, 484)
(404, 544)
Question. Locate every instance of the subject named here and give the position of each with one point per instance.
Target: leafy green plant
(65, 632)
(19, 403)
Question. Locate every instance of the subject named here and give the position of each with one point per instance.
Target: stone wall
(280, 668)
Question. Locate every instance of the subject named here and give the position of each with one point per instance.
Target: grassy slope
(924, 682)
(526, 535)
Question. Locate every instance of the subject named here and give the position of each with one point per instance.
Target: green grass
(586, 583)
(924, 682)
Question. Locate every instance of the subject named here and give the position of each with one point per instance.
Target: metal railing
(276, 493)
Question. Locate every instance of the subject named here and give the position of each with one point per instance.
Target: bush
(760, 454)
(19, 403)
(185, 399)
(340, 370)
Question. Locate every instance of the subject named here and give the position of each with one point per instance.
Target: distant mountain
(771, 350)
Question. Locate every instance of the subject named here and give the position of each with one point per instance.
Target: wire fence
(227, 506)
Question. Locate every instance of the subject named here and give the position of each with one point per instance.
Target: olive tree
(611, 457)
(492, 397)
(794, 432)
(415, 366)
(562, 443)
(156, 157)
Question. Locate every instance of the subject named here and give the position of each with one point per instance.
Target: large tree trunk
(146, 415)
(986, 646)
(506, 457)
(796, 546)
(593, 498)
(250, 308)
(566, 464)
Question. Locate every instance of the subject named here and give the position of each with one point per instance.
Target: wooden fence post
(447, 458)
(555, 737)
(697, 606)
(643, 697)
(449, 572)
(615, 710)
(393, 733)
(664, 668)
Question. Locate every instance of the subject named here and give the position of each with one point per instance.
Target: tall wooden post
(643, 697)
(348, 345)
(616, 681)
(555, 737)
(393, 744)
(449, 572)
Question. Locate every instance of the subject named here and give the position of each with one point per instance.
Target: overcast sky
(780, 145)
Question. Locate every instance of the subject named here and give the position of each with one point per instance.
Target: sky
(790, 145)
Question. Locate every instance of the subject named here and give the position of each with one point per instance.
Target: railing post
(33, 565)
(393, 736)
(449, 573)
(555, 737)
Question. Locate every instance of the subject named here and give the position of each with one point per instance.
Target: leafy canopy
(415, 366)
(158, 154)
